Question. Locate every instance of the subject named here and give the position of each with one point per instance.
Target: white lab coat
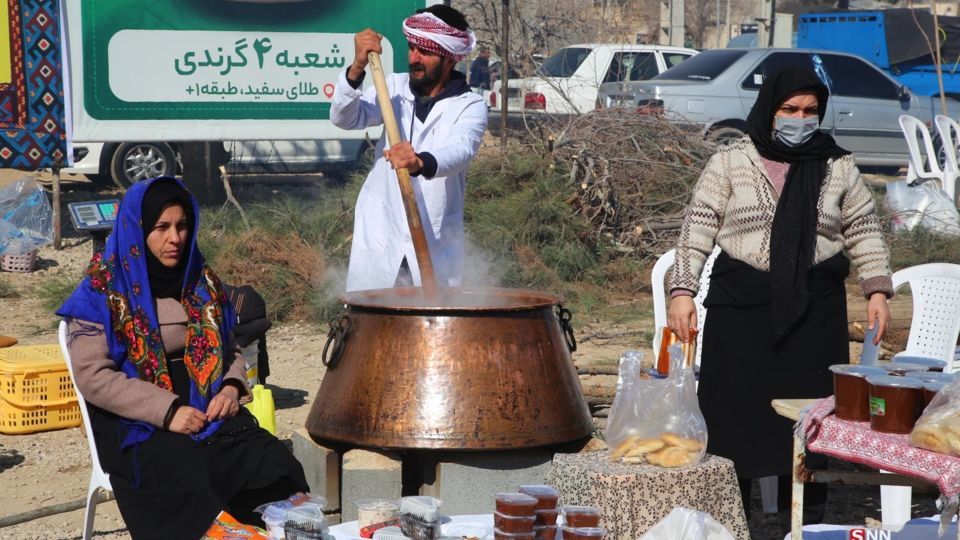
(381, 238)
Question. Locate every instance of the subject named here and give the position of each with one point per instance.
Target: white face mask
(794, 132)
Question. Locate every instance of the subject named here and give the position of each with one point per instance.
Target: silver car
(716, 89)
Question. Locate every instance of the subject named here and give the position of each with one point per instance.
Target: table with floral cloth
(855, 442)
(634, 498)
(819, 430)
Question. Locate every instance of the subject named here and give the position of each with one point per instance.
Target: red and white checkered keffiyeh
(430, 33)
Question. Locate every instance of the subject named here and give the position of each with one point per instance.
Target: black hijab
(794, 237)
(165, 282)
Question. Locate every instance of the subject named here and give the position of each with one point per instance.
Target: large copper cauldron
(489, 370)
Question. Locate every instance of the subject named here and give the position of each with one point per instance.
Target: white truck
(567, 82)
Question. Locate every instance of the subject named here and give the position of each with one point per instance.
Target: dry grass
(283, 268)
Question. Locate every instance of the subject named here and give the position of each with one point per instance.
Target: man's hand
(878, 312)
(682, 316)
(364, 43)
(187, 420)
(226, 404)
(402, 156)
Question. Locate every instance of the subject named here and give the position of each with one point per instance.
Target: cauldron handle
(564, 316)
(338, 333)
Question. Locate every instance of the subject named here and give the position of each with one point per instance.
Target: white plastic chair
(949, 131)
(768, 484)
(99, 480)
(923, 163)
(933, 334)
(936, 311)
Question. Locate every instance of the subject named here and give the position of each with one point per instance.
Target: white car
(568, 81)
(124, 163)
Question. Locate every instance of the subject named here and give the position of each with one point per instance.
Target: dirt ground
(44, 469)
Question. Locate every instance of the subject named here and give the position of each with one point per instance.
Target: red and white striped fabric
(430, 33)
(857, 443)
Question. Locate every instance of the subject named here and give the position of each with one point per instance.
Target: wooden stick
(428, 278)
(52, 510)
(57, 233)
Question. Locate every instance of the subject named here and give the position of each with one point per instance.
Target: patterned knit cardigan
(734, 203)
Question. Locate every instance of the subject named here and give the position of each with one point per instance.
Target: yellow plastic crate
(36, 393)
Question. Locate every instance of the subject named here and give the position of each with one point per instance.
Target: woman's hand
(187, 420)
(225, 404)
(878, 312)
(682, 316)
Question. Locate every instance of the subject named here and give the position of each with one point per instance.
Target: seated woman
(149, 335)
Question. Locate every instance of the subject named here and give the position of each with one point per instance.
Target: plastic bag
(656, 421)
(302, 513)
(26, 218)
(925, 205)
(938, 429)
(687, 524)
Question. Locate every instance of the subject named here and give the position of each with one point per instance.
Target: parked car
(568, 81)
(128, 162)
(717, 88)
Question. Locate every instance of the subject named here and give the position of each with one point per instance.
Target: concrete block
(369, 474)
(333, 519)
(467, 483)
(321, 465)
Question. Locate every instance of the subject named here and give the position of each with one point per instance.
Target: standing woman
(783, 204)
(149, 335)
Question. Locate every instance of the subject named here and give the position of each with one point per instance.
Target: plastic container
(851, 391)
(274, 518)
(19, 263)
(930, 389)
(934, 376)
(513, 524)
(546, 517)
(546, 496)
(516, 504)
(545, 532)
(895, 403)
(305, 522)
(389, 533)
(591, 533)
(468, 529)
(36, 393)
(568, 533)
(901, 369)
(932, 364)
(501, 535)
(262, 408)
(419, 529)
(374, 511)
(580, 516)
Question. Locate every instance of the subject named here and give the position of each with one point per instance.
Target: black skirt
(171, 486)
(743, 369)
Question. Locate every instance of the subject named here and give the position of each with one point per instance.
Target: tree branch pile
(631, 175)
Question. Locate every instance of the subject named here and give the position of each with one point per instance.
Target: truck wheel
(133, 162)
(724, 134)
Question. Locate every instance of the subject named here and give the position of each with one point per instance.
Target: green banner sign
(226, 59)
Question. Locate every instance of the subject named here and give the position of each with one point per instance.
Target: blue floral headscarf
(116, 293)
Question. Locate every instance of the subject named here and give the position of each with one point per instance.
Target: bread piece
(930, 440)
(690, 445)
(621, 449)
(644, 446)
(671, 456)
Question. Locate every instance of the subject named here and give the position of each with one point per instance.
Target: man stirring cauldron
(441, 122)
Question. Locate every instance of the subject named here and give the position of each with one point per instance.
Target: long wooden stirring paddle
(428, 278)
